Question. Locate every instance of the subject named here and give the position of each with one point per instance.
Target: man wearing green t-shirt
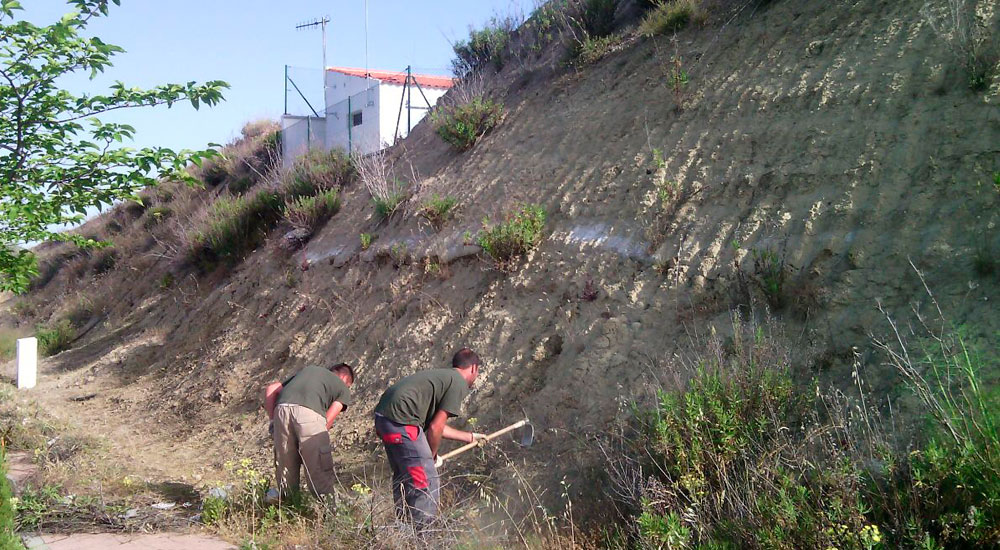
(302, 410)
(411, 419)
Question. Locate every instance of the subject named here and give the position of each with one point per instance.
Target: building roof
(429, 81)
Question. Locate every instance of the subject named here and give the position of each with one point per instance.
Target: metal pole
(399, 115)
(366, 38)
(325, 20)
(350, 129)
(286, 89)
(409, 98)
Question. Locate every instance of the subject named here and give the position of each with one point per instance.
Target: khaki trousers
(300, 438)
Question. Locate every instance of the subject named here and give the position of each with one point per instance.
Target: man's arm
(332, 413)
(271, 394)
(435, 430)
(457, 435)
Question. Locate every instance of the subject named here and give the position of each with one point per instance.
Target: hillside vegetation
(736, 260)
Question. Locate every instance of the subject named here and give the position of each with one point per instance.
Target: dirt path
(21, 470)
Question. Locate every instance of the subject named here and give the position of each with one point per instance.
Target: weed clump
(55, 338)
(308, 213)
(513, 237)
(438, 210)
(598, 17)
(8, 344)
(484, 48)
(8, 537)
(591, 50)
(669, 16)
(318, 171)
(235, 226)
(462, 125)
(366, 240)
(156, 215)
(744, 456)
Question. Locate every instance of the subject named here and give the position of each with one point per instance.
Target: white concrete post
(27, 362)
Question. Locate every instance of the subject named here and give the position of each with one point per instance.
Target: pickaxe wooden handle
(489, 437)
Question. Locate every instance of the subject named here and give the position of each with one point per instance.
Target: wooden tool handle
(489, 437)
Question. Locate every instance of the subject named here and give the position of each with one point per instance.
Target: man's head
(345, 372)
(467, 363)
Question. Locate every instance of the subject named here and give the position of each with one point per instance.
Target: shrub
(8, 537)
(167, 281)
(214, 172)
(105, 261)
(591, 50)
(598, 17)
(462, 125)
(388, 205)
(156, 215)
(438, 210)
(971, 39)
(745, 457)
(983, 262)
(516, 235)
(669, 17)
(366, 240)
(8, 344)
(238, 186)
(375, 170)
(317, 171)
(236, 226)
(55, 338)
(308, 213)
(484, 47)
(81, 312)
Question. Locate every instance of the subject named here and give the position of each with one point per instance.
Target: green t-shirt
(315, 388)
(414, 399)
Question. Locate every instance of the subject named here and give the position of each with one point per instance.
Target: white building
(364, 112)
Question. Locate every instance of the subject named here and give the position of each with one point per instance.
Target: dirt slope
(837, 141)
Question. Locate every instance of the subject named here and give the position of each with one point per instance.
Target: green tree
(56, 158)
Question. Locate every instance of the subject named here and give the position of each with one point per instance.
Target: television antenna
(321, 23)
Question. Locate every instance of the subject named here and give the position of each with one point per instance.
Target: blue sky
(247, 43)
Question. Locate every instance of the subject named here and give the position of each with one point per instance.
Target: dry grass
(377, 172)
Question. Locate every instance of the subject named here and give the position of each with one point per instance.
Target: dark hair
(465, 357)
(344, 367)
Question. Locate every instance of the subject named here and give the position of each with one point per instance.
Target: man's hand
(479, 438)
(438, 462)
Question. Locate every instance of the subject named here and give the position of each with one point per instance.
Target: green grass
(309, 212)
(591, 50)
(517, 234)
(486, 47)
(462, 125)
(8, 344)
(156, 215)
(669, 16)
(235, 226)
(317, 171)
(744, 456)
(9, 540)
(387, 206)
(438, 210)
(366, 240)
(55, 337)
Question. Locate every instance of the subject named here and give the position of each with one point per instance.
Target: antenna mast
(321, 22)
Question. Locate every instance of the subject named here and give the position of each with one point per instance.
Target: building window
(356, 118)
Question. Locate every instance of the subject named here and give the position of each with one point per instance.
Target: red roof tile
(399, 78)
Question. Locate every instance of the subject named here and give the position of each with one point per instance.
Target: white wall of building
(390, 97)
(341, 130)
(301, 133)
(378, 104)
